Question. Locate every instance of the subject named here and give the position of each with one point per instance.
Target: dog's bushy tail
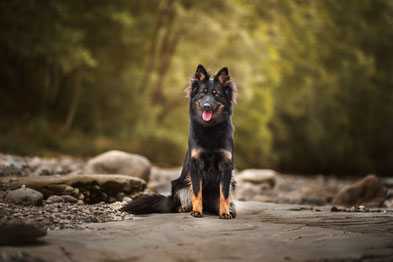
(148, 204)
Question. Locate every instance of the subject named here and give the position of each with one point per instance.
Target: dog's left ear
(227, 84)
(201, 74)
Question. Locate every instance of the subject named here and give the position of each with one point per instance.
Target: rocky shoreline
(68, 193)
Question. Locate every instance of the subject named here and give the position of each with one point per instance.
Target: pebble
(24, 196)
(69, 199)
(68, 190)
(2, 195)
(111, 199)
(126, 199)
(54, 199)
(59, 216)
(355, 209)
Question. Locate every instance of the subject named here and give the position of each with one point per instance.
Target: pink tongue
(207, 115)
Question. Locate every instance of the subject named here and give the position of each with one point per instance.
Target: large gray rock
(257, 176)
(14, 231)
(24, 196)
(118, 162)
(254, 183)
(369, 192)
(160, 179)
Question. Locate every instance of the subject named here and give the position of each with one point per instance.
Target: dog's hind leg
(184, 195)
(232, 210)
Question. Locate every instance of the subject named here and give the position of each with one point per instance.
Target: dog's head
(211, 100)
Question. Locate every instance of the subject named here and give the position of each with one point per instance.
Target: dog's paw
(183, 209)
(226, 216)
(196, 213)
(233, 213)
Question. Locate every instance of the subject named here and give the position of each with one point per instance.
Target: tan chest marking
(226, 154)
(195, 153)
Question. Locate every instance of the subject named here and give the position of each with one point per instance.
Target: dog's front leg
(225, 168)
(196, 167)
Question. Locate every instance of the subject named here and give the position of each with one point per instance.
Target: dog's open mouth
(207, 115)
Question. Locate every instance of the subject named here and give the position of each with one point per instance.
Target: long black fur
(212, 140)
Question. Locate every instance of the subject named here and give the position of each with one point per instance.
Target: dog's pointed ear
(223, 76)
(227, 84)
(201, 74)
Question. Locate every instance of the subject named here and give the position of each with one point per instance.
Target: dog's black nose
(207, 107)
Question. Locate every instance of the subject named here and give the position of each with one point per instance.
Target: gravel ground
(66, 215)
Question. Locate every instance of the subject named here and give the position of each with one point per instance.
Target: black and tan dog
(205, 183)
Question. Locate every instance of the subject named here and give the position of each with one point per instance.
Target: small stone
(104, 196)
(120, 196)
(80, 202)
(334, 209)
(126, 199)
(45, 172)
(2, 195)
(76, 191)
(81, 197)
(68, 190)
(24, 196)
(111, 199)
(54, 199)
(69, 199)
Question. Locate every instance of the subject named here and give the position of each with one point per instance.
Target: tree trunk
(74, 105)
(168, 49)
(151, 57)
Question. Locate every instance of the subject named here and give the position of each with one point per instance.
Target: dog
(205, 184)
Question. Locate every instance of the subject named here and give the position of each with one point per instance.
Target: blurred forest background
(315, 79)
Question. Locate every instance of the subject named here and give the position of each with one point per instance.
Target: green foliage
(314, 79)
(332, 106)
